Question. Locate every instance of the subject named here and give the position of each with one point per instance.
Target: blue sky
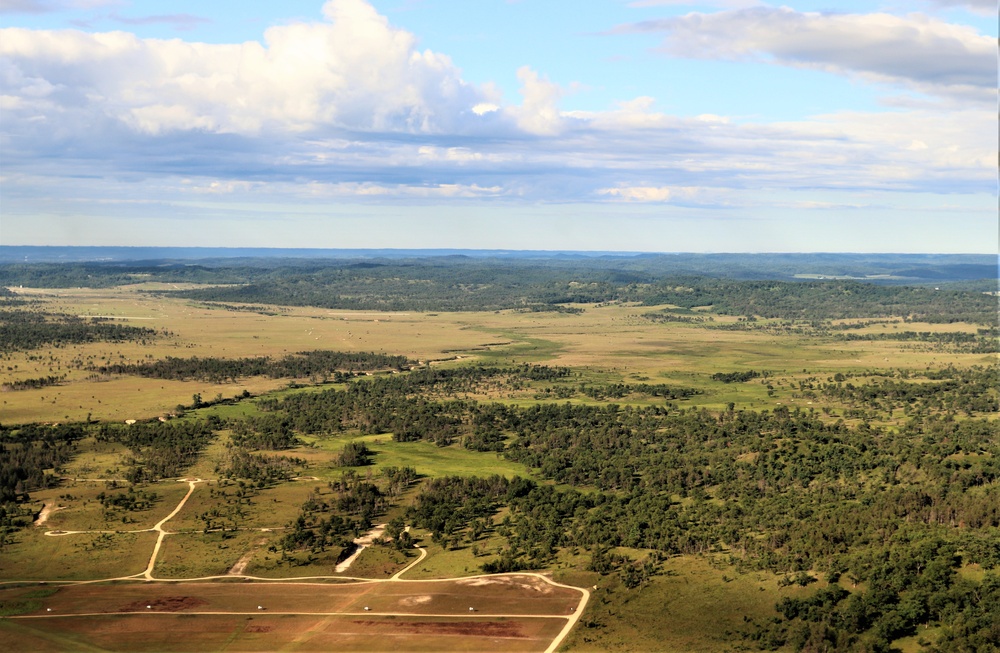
(639, 125)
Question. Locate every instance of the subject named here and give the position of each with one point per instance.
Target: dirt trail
(47, 509)
(241, 564)
(363, 543)
(148, 574)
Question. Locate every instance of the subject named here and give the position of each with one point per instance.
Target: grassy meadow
(605, 343)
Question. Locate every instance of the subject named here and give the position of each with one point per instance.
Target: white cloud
(925, 53)
(638, 193)
(485, 107)
(631, 114)
(539, 112)
(350, 108)
(356, 191)
(354, 72)
(690, 196)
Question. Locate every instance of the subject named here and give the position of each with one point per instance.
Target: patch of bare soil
(512, 582)
(415, 600)
(47, 509)
(165, 604)
(362, 543)
(258, 628)
(465, 628)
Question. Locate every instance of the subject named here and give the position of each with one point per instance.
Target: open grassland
(268, 508)
(427, 458)
(380, 562)
(95, 460)
(609, 343)
(693, 607)
(77, 556)
(457, 560)
(77, 507)
(196, 555)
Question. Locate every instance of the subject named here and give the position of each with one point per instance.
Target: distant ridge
(642, 267)
(80, 254)
(57, 254)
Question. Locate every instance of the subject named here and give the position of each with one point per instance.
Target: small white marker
(472, 609)
(367, 608)
(260, 607)
(48, 609)
(149, 607)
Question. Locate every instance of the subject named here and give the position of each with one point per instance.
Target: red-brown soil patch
(165, 604)
(256, 628)
(466, 628)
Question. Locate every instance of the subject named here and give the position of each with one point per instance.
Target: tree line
(24, 330)
(321, 364)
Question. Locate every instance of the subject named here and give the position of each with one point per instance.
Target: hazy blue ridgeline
(881, 268)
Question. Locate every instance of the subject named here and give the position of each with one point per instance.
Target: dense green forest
(22, 330)
(779, 490)
(53, 267)
(761, 287)
(426, 288)
(320, 364)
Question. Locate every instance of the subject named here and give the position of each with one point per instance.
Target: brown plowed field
(182, 633)
(511, 613)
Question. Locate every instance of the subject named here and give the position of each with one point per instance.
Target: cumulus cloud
(539, 112)
(349, 108)
(354, 72)
(921, 52)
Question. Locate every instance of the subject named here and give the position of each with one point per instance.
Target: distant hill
(923, 269)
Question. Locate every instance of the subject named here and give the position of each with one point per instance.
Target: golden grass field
(609, 343)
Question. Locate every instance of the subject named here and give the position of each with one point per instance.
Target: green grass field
(693, 607)
(84, 512)
(83, 556)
